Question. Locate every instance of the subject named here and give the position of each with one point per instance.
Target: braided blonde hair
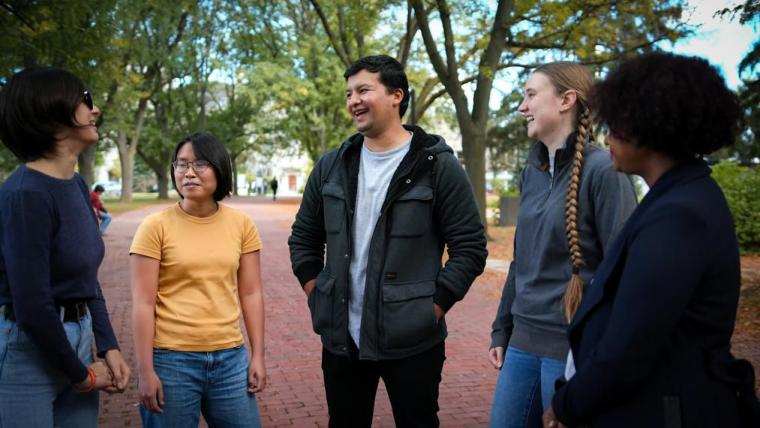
(569, 76)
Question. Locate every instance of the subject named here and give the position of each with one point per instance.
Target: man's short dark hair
(392, 75)
(208, 148)
(674, 104)
(34, 105)
(99, 188)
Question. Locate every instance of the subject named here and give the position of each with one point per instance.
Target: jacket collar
(678, 175)
(420, 140)
(539, 154)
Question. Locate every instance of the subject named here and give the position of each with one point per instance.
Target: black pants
(412, 385)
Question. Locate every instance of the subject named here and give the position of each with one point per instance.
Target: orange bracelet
(93, 381)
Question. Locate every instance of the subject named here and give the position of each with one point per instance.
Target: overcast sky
(722, 41)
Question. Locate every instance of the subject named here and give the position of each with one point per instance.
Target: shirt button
(430, 157)
(408, 180)
(343, 348)
(342, 300)
(345, 256)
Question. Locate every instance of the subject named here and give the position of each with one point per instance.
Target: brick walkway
(295, 395)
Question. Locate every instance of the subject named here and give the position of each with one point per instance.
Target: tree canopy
(264, 75)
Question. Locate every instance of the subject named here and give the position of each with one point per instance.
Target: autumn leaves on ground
(746, 339)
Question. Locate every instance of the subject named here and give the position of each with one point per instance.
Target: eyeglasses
(87, 99)
(199, 165)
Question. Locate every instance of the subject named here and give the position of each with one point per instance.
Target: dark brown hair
(34, 105)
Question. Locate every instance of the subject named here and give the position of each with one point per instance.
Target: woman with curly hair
(571, 204)
(652, 336)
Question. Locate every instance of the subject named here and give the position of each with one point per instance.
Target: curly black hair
(673, 104)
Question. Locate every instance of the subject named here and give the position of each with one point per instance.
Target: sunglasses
(87, 99)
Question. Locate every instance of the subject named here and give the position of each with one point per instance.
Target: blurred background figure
(99, 208)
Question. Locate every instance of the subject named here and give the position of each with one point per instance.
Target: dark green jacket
(429, 204)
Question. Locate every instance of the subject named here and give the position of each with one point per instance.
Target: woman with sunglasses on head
(51, 304)
(195, 266)
(652, 337)
(572, 202)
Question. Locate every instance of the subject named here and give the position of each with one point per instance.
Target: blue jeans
(212, 383)
(34, 394)
(524, 389)
(105, 220)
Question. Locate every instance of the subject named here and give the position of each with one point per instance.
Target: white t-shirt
(375, 172)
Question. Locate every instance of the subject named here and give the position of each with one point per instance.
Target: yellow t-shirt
(197, 306)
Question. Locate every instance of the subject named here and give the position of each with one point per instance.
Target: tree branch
(490, 60)
(405, 44)
(18, 16)
(426, 102)
(448, 38)
(330, 34)
(422, 22)
(342, 33)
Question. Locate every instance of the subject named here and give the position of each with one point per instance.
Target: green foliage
(507, 141)
(263, 75)
(502, 188)
(741, 185)
(8, 163)
(73, 34)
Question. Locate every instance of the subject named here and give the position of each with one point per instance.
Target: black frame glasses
(185, 165)
(87, 99)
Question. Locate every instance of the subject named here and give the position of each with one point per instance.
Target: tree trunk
(163, 186)
(87, 165)
(128, 150)
(127, 162)
(474, 150)
(234, 175)
(163, 171)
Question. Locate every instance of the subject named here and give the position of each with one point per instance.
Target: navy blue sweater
(50, 250)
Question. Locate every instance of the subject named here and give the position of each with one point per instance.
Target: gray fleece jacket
(530, 315)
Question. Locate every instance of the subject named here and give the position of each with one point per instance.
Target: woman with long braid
(572, 203)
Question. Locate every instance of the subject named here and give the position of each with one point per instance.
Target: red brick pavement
(295, 395)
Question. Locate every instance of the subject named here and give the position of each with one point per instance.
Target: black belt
(72, 312)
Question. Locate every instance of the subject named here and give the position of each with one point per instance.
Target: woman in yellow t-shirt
(194, 266)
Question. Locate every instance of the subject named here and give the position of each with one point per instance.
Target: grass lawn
(139, 200)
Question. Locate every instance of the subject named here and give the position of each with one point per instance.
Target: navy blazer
(652, 334)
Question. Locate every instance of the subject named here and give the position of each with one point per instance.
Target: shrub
(741, 185)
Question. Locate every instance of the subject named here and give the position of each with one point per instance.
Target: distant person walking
(51, 304)
(100, 210)
(195, 268)
(274, 184)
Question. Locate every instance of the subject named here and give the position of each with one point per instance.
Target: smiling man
(385, 204)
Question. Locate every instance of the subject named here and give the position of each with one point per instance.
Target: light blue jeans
(34, 394)
(524, 389)
(212, 383)
(105, 220)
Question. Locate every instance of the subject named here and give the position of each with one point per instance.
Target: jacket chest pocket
(412, 212)
(334, 203)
